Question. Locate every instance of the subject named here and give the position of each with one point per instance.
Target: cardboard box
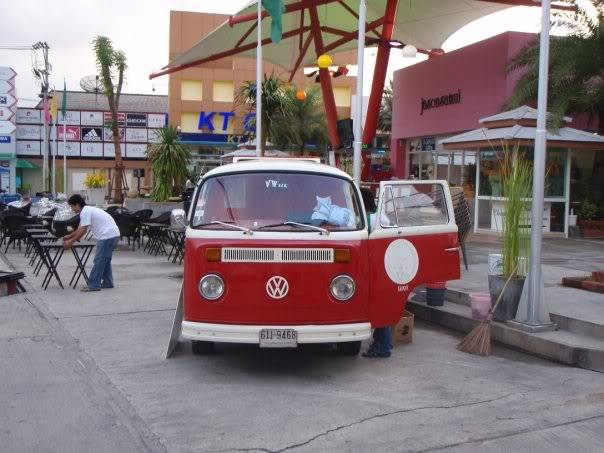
(403, 332)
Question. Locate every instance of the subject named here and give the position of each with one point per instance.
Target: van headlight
(342, 288)
(211, 286)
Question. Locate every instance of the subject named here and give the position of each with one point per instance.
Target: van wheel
(349, 348)
(202, 347)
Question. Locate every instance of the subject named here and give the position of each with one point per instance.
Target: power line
(15, 47)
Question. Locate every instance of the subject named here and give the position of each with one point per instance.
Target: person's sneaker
(106, 287)
(86, 289)
(373, 354)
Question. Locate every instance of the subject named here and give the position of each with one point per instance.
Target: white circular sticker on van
(401, 261)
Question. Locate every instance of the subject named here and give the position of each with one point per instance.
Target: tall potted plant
(516, 179)
(169, 159)
(96, 184)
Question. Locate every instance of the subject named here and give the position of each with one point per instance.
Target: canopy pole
(358, 112)
(259, 83)
(535, 321)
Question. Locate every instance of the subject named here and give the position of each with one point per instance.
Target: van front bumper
(233, 333)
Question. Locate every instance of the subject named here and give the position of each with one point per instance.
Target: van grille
(276, 255)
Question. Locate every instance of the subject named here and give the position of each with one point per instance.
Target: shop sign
(71, 133)
(5, 138)
(153, 135)
(136, 135)
(108, 134)
(428, 144)
(109, 150)
(70, 149)
(136, 120)
(92, 118)
(441, 101)
(29, 132)
(156, 120)
(72, 118)
(6, 114)
(28, 148)
(206, 120)
(136, 150)
(6, 100)
(7, 73)
(92, 134)
(234, 139)
(7, 127)
(92, 149)
(7, 144)
(6, 86)
(29, 116)
(121, 118)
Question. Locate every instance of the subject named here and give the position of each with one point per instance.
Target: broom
(478, 341)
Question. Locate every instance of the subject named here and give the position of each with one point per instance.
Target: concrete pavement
(427, 397)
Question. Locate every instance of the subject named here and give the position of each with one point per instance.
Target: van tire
(202, 347)
(350, 348)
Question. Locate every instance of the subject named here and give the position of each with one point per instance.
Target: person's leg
(98, 266)
(382, 343)
(107, 281)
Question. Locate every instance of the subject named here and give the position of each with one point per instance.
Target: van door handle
(452, 249)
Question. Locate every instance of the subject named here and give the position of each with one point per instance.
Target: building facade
(203, 100)
(448, 95)
(88, 144)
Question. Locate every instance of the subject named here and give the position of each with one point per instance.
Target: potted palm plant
(516, 179)
(96, 184)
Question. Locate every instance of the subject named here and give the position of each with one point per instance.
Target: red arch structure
(312, 28)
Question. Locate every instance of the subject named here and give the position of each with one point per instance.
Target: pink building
(447, 95)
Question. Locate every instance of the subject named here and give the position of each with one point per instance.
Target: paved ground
(85, 372)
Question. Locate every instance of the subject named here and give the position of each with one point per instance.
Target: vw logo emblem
(277, 287)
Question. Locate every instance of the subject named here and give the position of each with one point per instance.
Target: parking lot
(87, 372)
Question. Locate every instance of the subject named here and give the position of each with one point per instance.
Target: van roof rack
(248, 158)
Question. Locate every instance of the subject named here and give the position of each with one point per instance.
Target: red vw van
(280, 253)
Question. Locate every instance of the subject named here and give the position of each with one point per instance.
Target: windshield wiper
(313, 227)
(228, 224)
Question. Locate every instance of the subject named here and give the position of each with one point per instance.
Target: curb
(544, 344)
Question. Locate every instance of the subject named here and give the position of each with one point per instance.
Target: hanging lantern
(324, 61)
(300, 95)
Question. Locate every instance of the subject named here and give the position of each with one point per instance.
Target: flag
(54, 106)
(46, 111)
(275, 8)
(64, 100)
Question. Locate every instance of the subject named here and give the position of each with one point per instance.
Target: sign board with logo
(7, 73)
(156, 120)
(7, 144)
(109, 150)
(136, 150)
(6, 86)
(28, 148)
(108, 134)
(71, 133)
(6, 114)
(136, 135)
(136, 120)
(92, 134)
(29, 132)
(428, 144)
(29, 116)
(91, 150)
(72, 149)
(121, 118)
(7, 100)
(91, 118)
(72, 118)
(153, 135)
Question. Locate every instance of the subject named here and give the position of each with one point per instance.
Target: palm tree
(385, 118)
(275, 104)
(169, 160)
(110, 60)
(304, 123)
(576, 81)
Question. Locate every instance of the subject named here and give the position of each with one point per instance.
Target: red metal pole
(379, 74)
(328, 97)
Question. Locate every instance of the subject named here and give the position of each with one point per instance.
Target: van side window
(412, 205)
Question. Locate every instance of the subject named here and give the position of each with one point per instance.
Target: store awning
(26, 165)
(518, 127)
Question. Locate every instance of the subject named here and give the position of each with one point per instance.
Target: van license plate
(278, 338)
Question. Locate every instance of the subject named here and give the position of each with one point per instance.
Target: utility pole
(42, 74)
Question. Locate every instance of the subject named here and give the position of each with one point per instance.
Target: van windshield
(277, 202)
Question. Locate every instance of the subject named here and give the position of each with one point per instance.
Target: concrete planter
(508, 306)
(96, 196)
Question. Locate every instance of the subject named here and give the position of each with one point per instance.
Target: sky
(140, 28)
